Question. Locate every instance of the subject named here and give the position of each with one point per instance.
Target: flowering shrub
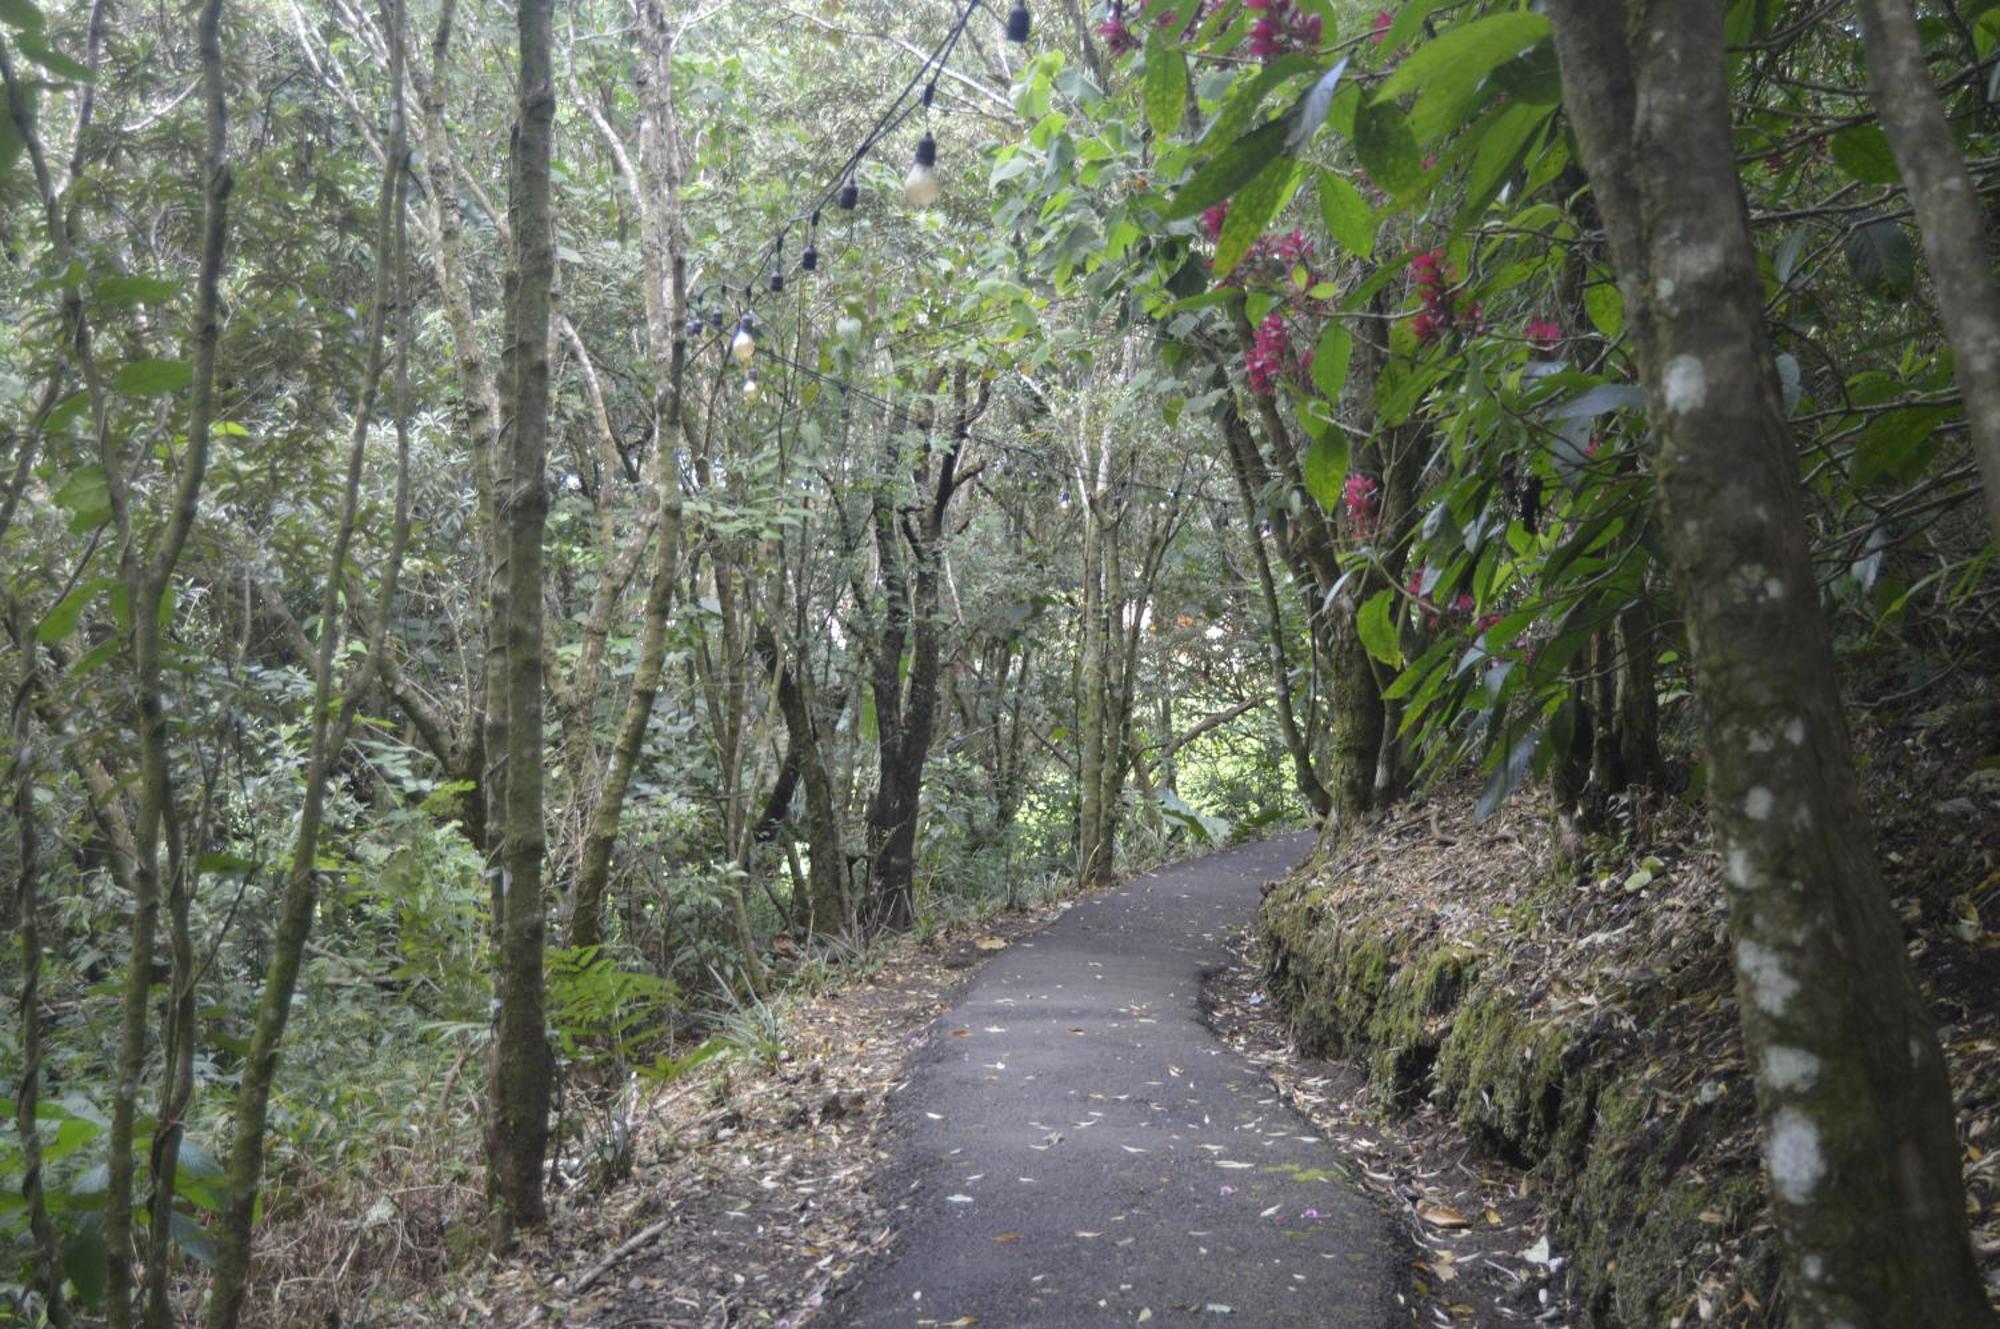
(1280, 28)
(1364, 504)
(1441, 312)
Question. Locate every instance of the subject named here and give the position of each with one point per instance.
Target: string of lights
(921, 188)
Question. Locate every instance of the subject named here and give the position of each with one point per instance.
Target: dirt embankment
(1578, 1020)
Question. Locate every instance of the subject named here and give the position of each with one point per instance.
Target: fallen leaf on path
(1005, 1237)
(990, 944)
(1441, 1215)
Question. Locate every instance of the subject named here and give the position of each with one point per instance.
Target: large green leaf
(1504, 137)
(1442, 69)
(1326, 468)
(1881, 258)
(86, 496)
(1230, 169)
(1387, 148)
(1863, 152)
(1376, 626)
(1166, 87)
(1330, 361)
(1346, 215)
(22, 14)
(150, 377)
(1251, 210)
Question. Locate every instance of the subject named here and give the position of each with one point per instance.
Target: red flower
(1364, 504)
(1544, 334)
(1213, 217)
(1384, 20)
(1118, 38)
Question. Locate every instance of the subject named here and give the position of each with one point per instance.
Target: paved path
(1074, 1147)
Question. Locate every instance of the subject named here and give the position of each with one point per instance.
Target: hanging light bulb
(751, 392)
(743, 345)
(850, 191)
(1018, 22)
(695, 324)
(809, 258)
(920, 186)
(715, 319)
(777, 280)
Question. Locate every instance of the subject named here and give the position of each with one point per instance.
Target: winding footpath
(1074, 1147)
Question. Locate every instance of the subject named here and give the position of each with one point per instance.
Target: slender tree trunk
(46, 1245)
(1949, 215)
(147, 581)
(1245, 469)
(331, 718)
(1854, 1106)
(523, 1066)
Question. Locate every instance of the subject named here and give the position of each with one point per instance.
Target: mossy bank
(1578, 1022)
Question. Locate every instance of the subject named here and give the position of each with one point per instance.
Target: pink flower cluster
(1280, 27)
(1270, 356)
(1364, 504)
(1212, 218)
(1544, 334)
(1441, 313)
(1384, 20)
(1118, 38)
(1461, 607)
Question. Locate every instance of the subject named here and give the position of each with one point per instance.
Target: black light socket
(1018, 22)
(927, 150)
(850, 194)
(809, 258)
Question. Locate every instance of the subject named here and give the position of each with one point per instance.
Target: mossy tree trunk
(1853, 1102)
(522, 1064)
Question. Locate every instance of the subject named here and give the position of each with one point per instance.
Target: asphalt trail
(1074, 1147)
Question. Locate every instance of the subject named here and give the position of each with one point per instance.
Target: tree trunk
(523, 1066)
(1853, 1102)
(331, 722)
(1949, 215)
(45, 1244)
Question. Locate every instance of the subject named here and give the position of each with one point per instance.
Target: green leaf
(1880, 258)
(38, 50)
(1606, 306)
(1326, 468)
(86, 496)
(136, 290)
(1247, 94)
(1330, 362)
(86, 1263)
(1254, 206)
(1502, 141)
(151, 377)
(1166, 87)
(61, 621)
(1230, 169)
(1387, 148)
(1461, 58)
(1346, 215)
(11, 142)
(23, 14)
(1376, 626)
(1863, 152)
